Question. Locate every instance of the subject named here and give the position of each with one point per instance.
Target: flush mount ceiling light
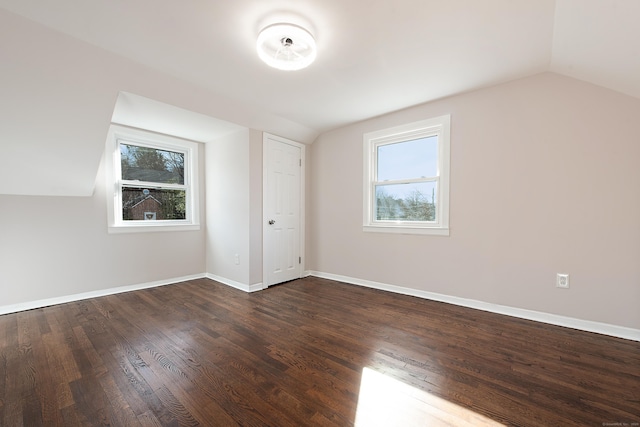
(286, 47)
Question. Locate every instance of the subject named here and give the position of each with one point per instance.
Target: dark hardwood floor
(308, 352)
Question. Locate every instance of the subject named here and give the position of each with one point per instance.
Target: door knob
(272, 221)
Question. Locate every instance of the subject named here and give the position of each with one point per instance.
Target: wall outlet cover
(562, 281)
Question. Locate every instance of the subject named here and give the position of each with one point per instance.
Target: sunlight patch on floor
(385, 401)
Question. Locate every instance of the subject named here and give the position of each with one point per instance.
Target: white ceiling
(374, 56)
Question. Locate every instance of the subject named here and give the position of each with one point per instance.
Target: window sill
(137, 228)
(404, 229)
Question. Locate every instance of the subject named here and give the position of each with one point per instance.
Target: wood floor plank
(311, 352)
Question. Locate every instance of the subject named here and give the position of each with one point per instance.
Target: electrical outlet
(562, 281)
(237, 259)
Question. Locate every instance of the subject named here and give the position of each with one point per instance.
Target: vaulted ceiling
(375, 56)
(65, 62)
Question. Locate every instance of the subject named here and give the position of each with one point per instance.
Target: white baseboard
(241, 286)
(553, 319)
(30, 305)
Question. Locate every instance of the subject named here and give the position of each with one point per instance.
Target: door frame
(265, 138)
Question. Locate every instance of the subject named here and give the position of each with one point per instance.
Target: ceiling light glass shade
(286, 47)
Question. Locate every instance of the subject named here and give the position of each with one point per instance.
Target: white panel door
(282, 207)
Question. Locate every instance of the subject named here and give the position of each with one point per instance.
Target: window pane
(150, 204)
(409, 159)
(152, 165)
(406, 202)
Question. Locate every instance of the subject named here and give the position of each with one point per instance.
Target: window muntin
(406, 178)
(154, 182)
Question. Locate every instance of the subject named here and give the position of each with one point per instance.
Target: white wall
(227, 207)
(234, 208)
(55, 246)
(256, 218)
(58, 95)
(58, 98)
(544, 180)
(544, 177)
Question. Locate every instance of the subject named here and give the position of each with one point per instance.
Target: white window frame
(115, 183)
(440, 126)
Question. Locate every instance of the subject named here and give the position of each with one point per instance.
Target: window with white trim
(406, 178)
(151, 181)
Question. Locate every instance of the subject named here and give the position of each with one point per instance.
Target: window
(406, 178)
(151, 181)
